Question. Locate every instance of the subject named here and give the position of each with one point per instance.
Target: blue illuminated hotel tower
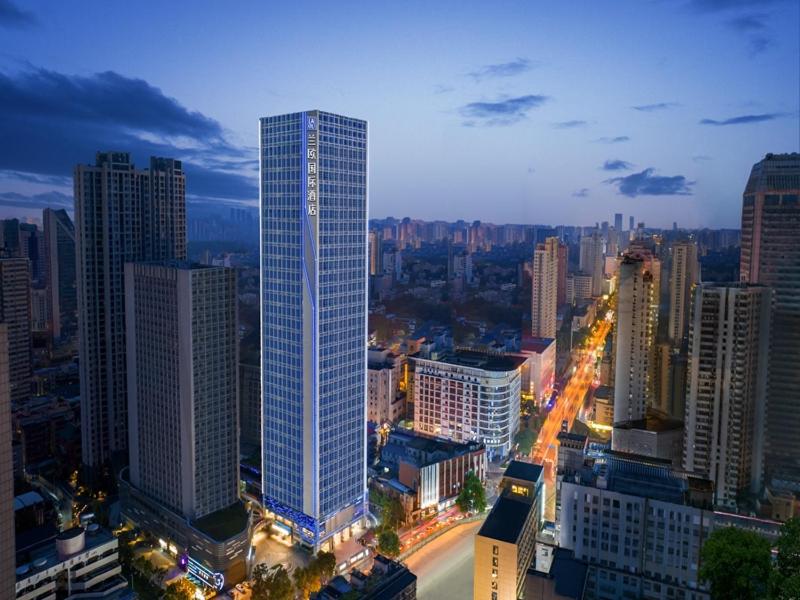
(313, 322)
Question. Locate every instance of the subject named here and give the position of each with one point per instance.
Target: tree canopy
(388, 543)
(736, 563)
(272, 583)
(472, 497)
(180, 590)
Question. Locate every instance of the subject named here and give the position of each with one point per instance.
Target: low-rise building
(505, 543)
(555, 575)
(539, 370)
(388, 580)
(79, 564)
(603, 406)
(386, 397)
(655, 436)
(469, 396)
(640, 525)
(426, 473)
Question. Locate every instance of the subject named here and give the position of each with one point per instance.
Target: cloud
(60, 120)
(742, 119)
(616, 165)
(647, 184)
(502, 112)
(655, 107)
(581, 193)
(701, 158)
(507, 69)
(531, 170)
(754, 28)
(12, 16)
(570, 124)
(613, 140)
(44, 200)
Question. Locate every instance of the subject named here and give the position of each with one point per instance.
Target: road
(567, 408)
(444, 566)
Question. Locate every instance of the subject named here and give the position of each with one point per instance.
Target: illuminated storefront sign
(200, 573)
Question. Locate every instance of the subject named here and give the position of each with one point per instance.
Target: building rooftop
(575, 437)
(526, 471)
(481, 360)
(566, 577)
(604, 392)
(654, 422)
(537, 344)
(46, 556)
(223, 524)
(507, 519)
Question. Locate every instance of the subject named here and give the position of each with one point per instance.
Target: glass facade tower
(313, 321)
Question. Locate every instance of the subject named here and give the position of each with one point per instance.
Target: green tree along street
(472, 497)
(391, 510)
(736, 564)
(318, 572)
(785, 580)
(272, 583)
(525, 439)
(180, 590)
(388, 543)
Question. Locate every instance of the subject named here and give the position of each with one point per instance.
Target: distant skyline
(502, 113)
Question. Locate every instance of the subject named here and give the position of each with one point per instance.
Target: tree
(388, 543)
(525, 439)
(272, 583)
(736, 563)
(180, 590)
(785, 582)
(326, 565)
(472, 497)
(306, 580)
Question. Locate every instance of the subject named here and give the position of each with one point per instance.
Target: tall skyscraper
(592, 260)
(618, 222)
(563, 265)
(683, 276)
(544, 290)
(7, 557)
(121, 215)
(15, 312)
(313, 321)
(59, 267)
(631, 226)
(771, 256)
(375, 253)
(727, 388)
(183, 360)
(633, 341)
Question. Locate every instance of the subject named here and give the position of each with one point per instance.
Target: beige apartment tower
(544, 290)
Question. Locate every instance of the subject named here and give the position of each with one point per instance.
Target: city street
(444, 566)
(567, 407)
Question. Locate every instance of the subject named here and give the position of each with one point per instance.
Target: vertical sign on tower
(312, 153)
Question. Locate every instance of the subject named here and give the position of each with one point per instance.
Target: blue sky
(524, 112)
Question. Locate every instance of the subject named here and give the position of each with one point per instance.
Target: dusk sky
(507, 112)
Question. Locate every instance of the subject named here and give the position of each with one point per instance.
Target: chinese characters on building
(311, 161)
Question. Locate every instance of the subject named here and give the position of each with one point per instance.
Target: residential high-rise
(183, 384)
(563, 264)
(631, 226)
(544, 289)
(59, 268)
(313, 322)
(634, 336)
(727, 388)
(592, 260)
(618, 222)
(375, 252)
(7, 556)
(121, 215)
(15, 312)
(684, 275)
(771, 256)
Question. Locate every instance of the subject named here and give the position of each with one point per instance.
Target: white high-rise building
(544, 290)
(634, 339)
(727, 388)
(121, 215)
(684, 275)
(183, 351)
(592, 260)
(314, 269)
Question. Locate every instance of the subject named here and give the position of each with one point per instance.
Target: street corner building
(314, 309)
